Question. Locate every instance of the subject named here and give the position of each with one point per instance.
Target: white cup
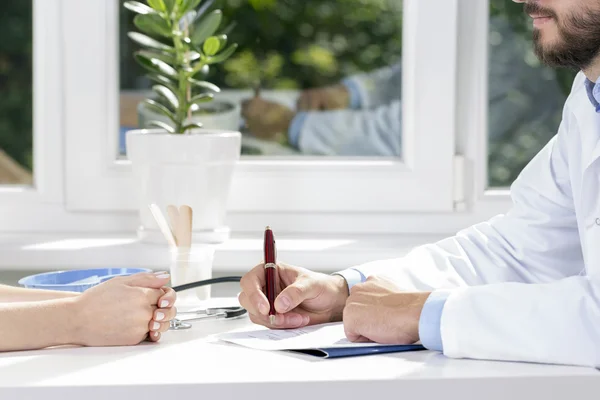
(191, 264)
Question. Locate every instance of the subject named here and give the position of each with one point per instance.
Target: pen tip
(272, 319)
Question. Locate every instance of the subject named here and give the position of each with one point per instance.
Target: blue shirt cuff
(295, 128)
(352, 276)
(430, 331)
(355, 100)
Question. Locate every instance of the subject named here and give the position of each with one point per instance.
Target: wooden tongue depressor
(162, 223)
(184, 225)
(173, 214)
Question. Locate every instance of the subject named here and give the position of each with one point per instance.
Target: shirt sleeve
(430, 331)
(296, 128)
(352, 276)
(354, 91)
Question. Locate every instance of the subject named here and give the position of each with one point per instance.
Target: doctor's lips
(538, 14)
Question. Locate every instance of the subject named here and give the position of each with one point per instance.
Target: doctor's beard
(579, 37)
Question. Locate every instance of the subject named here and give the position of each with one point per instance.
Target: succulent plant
(179, 40)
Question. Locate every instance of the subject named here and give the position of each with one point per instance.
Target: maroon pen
(270, 271)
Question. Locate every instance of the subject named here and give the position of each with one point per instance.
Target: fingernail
(159, 316)
(295, 319)
(284, 304)
(263, 308)
(163, 276)
(305, 320)
(164, 303)
(155, 334)
(155, 325)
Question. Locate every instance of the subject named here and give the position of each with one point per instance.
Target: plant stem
(188, 91)
(183, 62)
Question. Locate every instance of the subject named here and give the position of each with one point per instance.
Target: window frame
(58, 201)
(310, 185)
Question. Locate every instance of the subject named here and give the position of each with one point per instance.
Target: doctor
(524, 286)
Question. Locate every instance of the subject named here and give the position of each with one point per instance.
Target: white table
(192, 364)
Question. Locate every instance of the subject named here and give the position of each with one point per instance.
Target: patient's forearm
(36, 325)
(11, 294)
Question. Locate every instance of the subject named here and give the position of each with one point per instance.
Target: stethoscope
(208, 313)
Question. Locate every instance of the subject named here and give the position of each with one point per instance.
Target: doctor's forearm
(11, 294)
(36, 325)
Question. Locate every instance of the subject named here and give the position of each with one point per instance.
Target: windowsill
(326, 253)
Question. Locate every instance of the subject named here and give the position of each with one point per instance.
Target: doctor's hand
(379, 311)
(121, 311)
(266, 119)
(303, 297)
(326, 98)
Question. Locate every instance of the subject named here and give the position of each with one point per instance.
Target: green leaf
(229, 28)
(147, 41)
(224, 55)
(155, 65)
(138, 7)
(201, 98)
(159, 108)
(192, 125)
(170, 5)
(206, 27)
(193, 56)
(204, 84)
(203, 71)
(222, 41)
(152, 24)
(163, 80)
(158, 5)
(162, 125)
(211, 46)
(166, 57)
(188, 5)
(169, 95)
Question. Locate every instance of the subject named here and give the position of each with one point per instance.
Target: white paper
(310, 337)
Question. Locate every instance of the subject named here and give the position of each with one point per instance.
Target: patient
(121, 311)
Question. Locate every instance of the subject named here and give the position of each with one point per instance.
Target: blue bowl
(77, 280)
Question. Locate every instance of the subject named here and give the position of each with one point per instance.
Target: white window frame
(420, 181)
(80, 185)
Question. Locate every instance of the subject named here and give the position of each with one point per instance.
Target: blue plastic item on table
(77, 280)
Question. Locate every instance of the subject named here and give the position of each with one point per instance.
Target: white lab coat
(525, 286)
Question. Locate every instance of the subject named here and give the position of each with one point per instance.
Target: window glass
(16, 139)
(349, 49)
(525, 97)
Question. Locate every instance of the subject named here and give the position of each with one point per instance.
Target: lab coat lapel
(588, 124)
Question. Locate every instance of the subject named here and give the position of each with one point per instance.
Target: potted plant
(181, 162)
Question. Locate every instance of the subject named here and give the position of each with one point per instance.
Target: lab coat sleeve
(517, 289)
(374, 132)
(378, 87)
(536, 241)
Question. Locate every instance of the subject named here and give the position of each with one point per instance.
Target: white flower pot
(194, 169)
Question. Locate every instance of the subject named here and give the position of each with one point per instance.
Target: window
(526, 98)
(286, 47)
(421, 179)
(82, 165)
(16, 102)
